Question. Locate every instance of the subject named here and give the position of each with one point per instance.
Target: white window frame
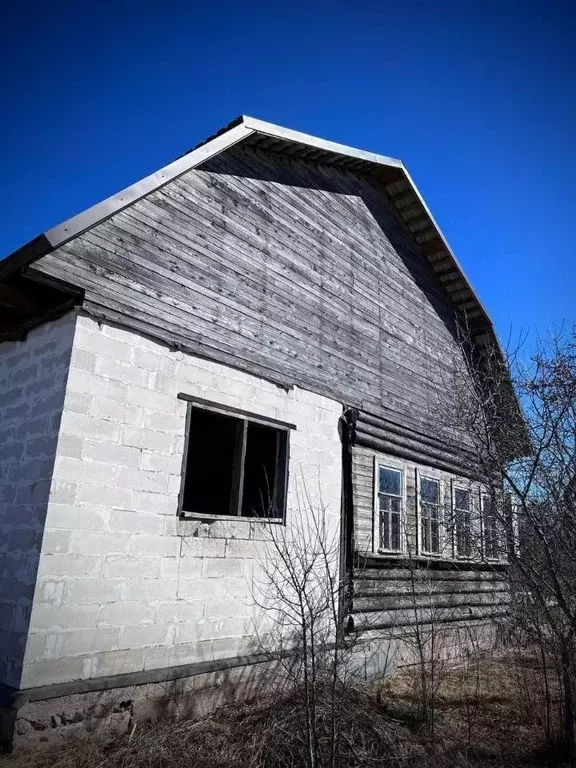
(377, 522)
(461, 486)
(436, 478)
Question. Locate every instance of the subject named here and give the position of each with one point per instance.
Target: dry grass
(488, 714)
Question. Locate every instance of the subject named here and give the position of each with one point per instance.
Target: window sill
(440, 561)
(205, 518)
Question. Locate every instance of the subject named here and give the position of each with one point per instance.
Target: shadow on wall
(33, 375)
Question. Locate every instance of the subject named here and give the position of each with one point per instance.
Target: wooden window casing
(390, 495)
(462, 504)
(429, 491)
(490, 528)
(235, 464)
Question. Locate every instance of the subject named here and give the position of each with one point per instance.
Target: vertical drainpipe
(346, 430)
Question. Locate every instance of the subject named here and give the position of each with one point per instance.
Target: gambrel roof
(389, 173)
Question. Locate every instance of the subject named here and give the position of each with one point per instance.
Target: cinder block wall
(32, 384)
(123, 585)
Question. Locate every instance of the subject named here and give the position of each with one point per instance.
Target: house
(267, 310)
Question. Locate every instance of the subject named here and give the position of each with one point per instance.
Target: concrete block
(188, 586)
(169, 567)
(126, 613)
(70, 445)
(169, 526)
(174, 484)
(88, 427)
(252, 549)
(152, 400)
(161, 589)
(193, 373)
(221, 648)
(146, 439)
(114, 498)
(48, 672)
(88, 641)
(190, 567)
(63, 617)
(112, 410)
(83, 359)
(141, 480)
(160, 657)
(87, 591)
(98, 542)
(217, 589)
(123, 372)
(229, 529)
(161, 462)
(52, 566)
(50, 593)
(164, 422)
(77, 402)
(153, 360)
(202, 547)
(167, 612)
(136, 522)
(191, 528)
(55, 541)
(103, 345)
(71, 517)
(155, 502)
(118, 662)
(197, 631)
(218, 568)
(109, 453)
(162, 546)
(82, 471)
(83, 381)
(226, 608)
(154, 634)
(117, 566)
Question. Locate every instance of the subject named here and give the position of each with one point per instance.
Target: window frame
(238, 469)
(497, 557)
(376, 516)
(461, 486)
(436, 478)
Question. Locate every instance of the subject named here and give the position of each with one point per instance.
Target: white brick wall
(123, 585)
(32, 385)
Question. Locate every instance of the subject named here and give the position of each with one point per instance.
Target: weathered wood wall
(298, 273)
(389, 596)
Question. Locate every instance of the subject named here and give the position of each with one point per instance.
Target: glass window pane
(435, 543)
(390, 481)
(426, 535)
(386, 531)
(461, 499)
(395, 532)
(429, 490)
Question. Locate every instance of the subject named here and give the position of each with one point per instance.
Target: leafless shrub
(519, 413)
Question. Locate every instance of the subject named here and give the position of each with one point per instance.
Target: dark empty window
(235, 465)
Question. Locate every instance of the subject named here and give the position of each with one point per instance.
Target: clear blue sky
(477, 97)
